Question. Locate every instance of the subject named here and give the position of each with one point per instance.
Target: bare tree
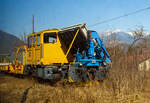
(138, 34)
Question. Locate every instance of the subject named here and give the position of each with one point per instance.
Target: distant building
(144, 65)
(140, 62)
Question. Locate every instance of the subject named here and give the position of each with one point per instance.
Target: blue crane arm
(101, 45)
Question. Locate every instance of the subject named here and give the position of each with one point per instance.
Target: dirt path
(12, 88)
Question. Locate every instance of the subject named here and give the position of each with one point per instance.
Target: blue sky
(16, 15)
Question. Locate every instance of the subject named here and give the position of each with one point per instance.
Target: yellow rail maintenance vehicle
(73, 53)
(4, 67)
(4, 62)
(18, 61)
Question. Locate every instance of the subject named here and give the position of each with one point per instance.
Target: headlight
(93, 61)
(80, 64)
(94, 53)
(104, 63)
(59, 69)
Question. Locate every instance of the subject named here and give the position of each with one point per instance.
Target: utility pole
(33, 24)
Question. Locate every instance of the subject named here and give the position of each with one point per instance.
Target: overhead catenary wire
(118, 17)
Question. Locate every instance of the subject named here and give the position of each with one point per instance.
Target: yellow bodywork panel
(18, 66)
(4, 67)
(16, 69)
(43, 51)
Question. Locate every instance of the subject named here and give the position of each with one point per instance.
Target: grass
(122, 88)
(125, 84)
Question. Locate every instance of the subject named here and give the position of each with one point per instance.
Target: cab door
(50, 47)
(29, 50)
(38, 49)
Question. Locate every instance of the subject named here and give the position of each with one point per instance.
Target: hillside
(8, 42)
(120, 36)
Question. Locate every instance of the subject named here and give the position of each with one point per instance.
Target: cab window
(29, 41)
(50, 37)
(38, 39)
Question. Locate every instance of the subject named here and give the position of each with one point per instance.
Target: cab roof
(82, 25)
(47, 30)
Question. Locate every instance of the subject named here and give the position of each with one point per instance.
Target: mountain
(8, 42)
(117, 36)
(125, 40)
